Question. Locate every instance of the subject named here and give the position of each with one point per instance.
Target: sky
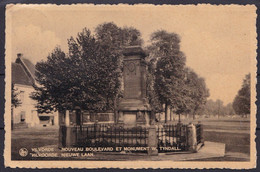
(218, 41)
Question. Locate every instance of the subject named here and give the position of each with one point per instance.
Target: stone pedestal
(192, 138)
(134, 109)
(152, 141)
(70, 136)
(67, 136)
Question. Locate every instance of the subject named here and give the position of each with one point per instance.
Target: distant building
(26, 114)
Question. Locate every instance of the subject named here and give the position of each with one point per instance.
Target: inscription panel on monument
(129, 118)
(132, 79)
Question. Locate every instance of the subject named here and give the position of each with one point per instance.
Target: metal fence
(102, 135)
(199, 133)
(172, 137)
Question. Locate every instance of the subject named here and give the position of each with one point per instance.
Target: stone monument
(134, 109)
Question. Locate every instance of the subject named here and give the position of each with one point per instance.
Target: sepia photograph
(130, 86)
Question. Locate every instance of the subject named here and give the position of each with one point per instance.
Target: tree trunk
(166, 115)
(12, 118)
(115, 110)
(107, 103)
(194, 112)
(170, 114)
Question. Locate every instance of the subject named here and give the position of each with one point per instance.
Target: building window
(22, 116)
(22, 96)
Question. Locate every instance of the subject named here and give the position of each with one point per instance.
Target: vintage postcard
(130, 86)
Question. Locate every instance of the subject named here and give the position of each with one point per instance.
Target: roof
(23, 71)
(19, 76)
(30, 66)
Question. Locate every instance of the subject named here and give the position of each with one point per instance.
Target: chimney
(19, 55)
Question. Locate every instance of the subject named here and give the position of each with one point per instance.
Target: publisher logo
(23, 152)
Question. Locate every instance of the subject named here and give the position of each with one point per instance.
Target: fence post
(192, 138)
(201, 133)
(60, 144)
(70, 136)
(61, 128)
(152, 140)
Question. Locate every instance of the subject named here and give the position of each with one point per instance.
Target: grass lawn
(234, 133)
(32, 138)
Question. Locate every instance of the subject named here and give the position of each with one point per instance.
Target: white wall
(28, 107)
